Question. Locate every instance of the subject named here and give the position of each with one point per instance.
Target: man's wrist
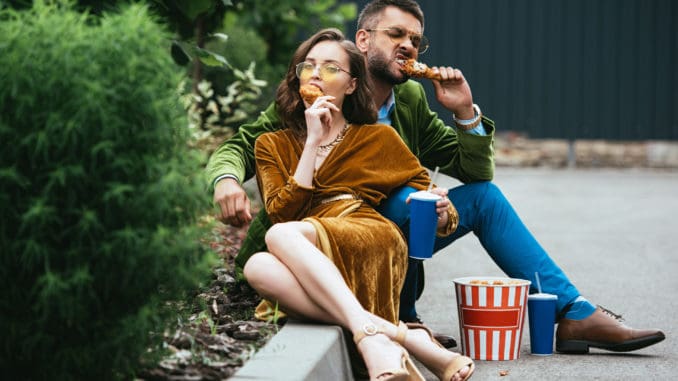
(465, 113)
(226, 176)
(469, 124)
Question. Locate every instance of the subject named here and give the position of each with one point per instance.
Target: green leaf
(39, 214)
(88, 221)
(179, 54)
(211, 58)
(223, 37)
(118, 192)
(10, 175)
(106, 148)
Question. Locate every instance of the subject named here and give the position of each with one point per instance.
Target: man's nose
(407, 42)
(409, 50)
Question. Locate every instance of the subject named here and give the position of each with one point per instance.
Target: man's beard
(379, 68)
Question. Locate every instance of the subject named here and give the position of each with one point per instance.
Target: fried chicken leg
(419, 70)
(309, 93)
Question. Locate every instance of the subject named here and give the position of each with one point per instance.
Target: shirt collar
(386, 109)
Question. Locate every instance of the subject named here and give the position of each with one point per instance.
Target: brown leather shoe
(604, 330)
(445, 340)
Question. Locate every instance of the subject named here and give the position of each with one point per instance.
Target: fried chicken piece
(309, 93)
(479, 282)
(419, 70)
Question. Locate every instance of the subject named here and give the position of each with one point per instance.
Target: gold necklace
(328, 147)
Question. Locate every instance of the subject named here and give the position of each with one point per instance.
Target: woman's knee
(275, 236)
(258, 269)
(283, 233)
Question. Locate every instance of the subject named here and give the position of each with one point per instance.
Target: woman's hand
(442, 206)
(319, 119)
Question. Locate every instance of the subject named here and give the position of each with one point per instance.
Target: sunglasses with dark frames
(398, 35)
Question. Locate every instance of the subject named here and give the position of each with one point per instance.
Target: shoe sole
(582, 346)
(446, 343)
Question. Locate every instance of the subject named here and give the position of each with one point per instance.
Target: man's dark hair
(369, 16)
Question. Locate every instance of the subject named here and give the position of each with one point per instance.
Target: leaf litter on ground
(223, 334)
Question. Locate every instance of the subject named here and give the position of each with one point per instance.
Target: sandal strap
(368, 329)
(427, 329)
(420, 326)
(458, 364)
(401, 333)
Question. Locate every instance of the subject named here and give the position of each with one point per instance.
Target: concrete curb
(300, 352)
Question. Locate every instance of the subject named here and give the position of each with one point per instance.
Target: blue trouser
(485, 211)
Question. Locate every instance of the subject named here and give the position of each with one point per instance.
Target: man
(390, 31)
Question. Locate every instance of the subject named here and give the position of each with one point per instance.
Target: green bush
(99, 196)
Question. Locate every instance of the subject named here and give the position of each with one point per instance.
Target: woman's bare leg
(274, 281)
(293, 243)
(320, 287)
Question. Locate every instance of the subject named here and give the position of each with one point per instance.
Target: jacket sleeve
(466, 157)
(284, 199)
(235, 156)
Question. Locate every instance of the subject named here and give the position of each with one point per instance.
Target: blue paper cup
(541, 310)
(423, 224)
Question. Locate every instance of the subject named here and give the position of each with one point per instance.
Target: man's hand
(234, 206)
(454, 93)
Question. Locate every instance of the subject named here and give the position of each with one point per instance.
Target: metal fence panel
(572, 69)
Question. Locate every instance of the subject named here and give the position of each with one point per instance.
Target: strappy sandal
(407, 371)
(453, 367)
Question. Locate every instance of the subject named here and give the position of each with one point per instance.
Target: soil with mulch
(221, 333)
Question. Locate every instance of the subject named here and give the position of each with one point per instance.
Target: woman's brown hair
(358, 107)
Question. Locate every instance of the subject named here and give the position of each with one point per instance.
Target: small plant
(276, 314)
(205, 318)
(214, 118)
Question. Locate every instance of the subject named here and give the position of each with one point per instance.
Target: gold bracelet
(474, 122)
(452, 221)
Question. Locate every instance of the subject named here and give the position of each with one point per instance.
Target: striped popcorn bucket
(491, 316)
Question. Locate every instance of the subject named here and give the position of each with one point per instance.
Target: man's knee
(492, 190)
(485, 191)
(494, 196)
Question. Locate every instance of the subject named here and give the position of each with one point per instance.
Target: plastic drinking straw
(433, 178)
(536, 275)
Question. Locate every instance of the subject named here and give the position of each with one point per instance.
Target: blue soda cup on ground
(541, 310)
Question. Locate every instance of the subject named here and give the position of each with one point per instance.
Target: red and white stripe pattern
(491, 317)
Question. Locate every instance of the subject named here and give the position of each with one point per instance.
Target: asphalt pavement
(614, 233)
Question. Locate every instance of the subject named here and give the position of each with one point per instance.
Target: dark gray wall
(574, 69)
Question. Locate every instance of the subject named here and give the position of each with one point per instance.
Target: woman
(332, 257)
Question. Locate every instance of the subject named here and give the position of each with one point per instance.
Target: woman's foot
(446, 365)
(385, 360)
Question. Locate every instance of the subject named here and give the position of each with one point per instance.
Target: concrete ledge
(300, 352)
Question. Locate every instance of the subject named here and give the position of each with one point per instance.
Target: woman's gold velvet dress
(368, 249)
